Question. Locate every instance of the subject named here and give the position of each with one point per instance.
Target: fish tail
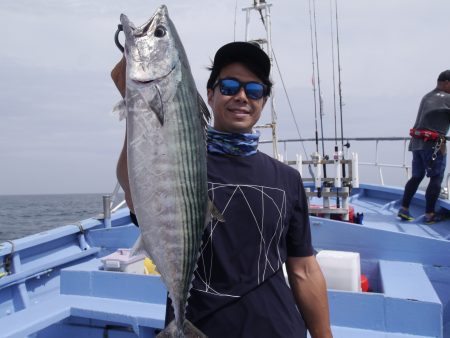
(189, 331)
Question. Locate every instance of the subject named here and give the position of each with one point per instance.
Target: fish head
(152, 50)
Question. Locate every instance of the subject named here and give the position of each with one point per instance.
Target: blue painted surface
(357, 310)
(57, 286)
(407, 281)
(409, 292)
(56, 309)
(88, 280)
(349, 332)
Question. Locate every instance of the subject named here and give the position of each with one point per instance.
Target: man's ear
(118, 76)
(210, 94)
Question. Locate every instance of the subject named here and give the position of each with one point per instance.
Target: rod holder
(107, 210)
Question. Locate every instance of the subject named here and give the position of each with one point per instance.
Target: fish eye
(160, 31)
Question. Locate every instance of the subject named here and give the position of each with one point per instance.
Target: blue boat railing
(400, 153)
(369, 159)
(402, 157)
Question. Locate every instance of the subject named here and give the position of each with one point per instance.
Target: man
(428, 148)
(239, 289)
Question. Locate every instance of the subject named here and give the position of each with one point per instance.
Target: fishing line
(289, 102)
(286, 94)
(285, 90)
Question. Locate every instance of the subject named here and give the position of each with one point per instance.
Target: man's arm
(122, 175)
(118, 76)
(310, 293)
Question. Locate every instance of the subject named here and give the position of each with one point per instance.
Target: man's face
(237, 113)
(447, 86)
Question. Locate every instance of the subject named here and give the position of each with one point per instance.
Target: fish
(166, 147)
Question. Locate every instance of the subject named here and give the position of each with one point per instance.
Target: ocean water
(22, 215)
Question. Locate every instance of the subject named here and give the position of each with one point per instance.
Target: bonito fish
(166, 157)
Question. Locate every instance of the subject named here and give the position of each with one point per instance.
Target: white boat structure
(62, 283)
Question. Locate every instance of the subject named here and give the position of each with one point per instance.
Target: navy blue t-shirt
(239, 288)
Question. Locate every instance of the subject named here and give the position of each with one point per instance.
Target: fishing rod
(339, 74)
(334, 77)
(340, 87)
(336, 149)
(313, 77)
(319, 88)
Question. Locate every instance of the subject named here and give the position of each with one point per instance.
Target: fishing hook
(116, 37)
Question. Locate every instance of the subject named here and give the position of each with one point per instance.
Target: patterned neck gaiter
(232, 143)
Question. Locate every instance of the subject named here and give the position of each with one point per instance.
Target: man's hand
(118, 75)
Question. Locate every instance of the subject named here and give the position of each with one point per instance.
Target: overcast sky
(57, 134)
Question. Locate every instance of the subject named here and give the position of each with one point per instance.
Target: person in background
(239, 288)
(428, 148)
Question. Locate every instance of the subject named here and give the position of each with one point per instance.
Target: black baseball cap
(444, 76)
(248, 53)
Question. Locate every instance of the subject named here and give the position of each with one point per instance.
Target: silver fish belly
(166, 157)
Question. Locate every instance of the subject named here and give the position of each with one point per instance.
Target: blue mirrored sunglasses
(229, 87)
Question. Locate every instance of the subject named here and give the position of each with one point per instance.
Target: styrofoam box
(341, 269)
(121, 261)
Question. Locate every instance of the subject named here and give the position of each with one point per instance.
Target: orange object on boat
(351, 212)
(364, 283)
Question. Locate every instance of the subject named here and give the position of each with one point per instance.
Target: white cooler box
(342, 269)
(121, 261)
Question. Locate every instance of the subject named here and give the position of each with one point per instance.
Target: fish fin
(120, 110)
(214, 212)
(205, 115)
(139, 248)
(157, 107)
(189, 331)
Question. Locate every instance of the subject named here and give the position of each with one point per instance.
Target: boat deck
(380, 212)
(382, 235)
(57, 286)
(406, 263)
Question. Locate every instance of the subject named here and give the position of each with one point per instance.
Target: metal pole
(263, 6)
(272, 97)
(247, 21)
(107, 210)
